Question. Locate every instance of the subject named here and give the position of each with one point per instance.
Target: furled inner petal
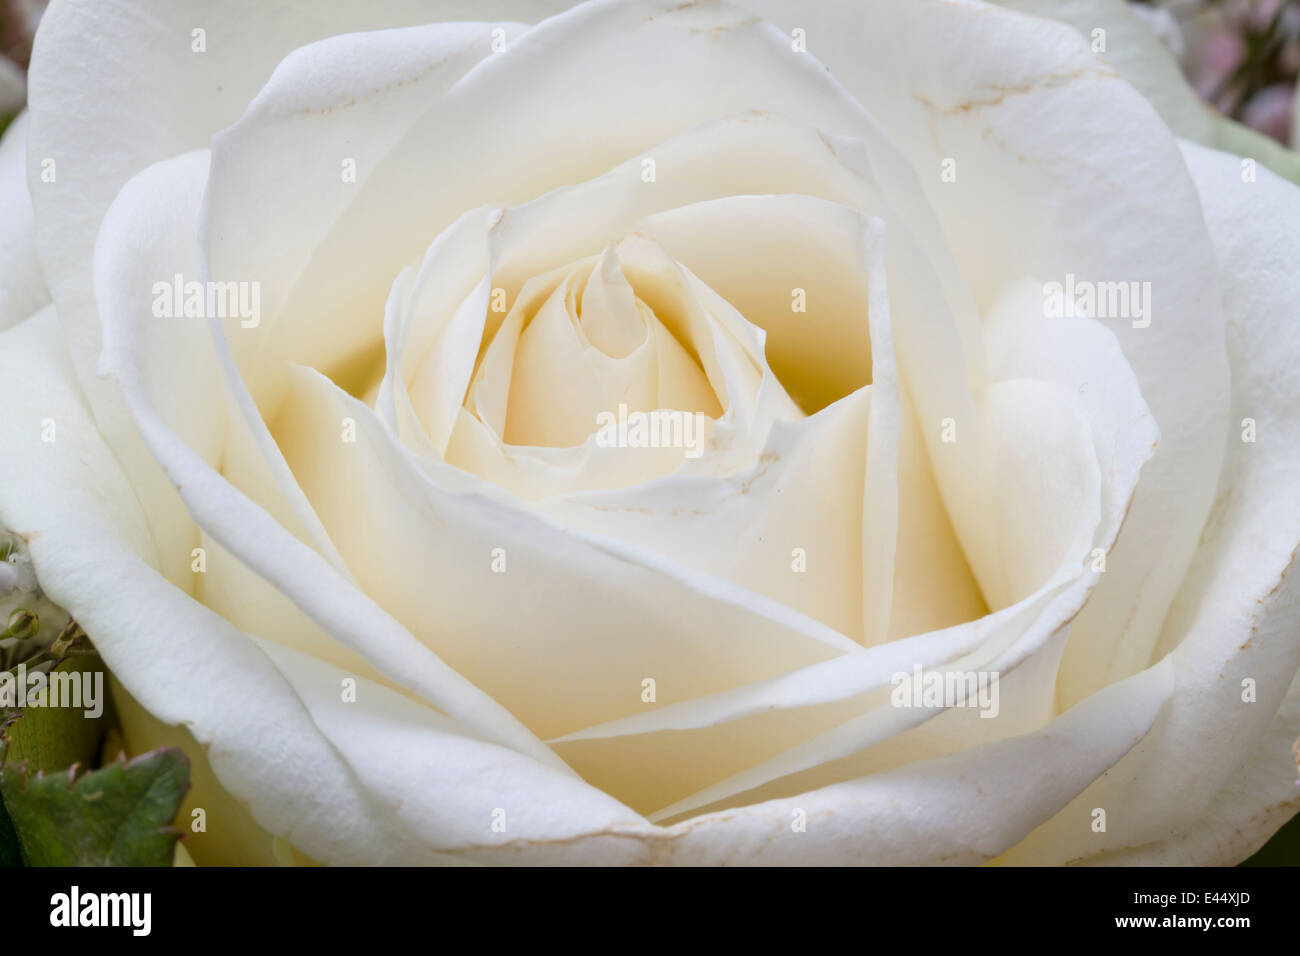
(547, 410)
(609, 312)
(574, 362)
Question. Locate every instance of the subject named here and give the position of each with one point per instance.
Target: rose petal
(450, 792)
(405, 200)
(1142, 57)
(333, 109)
(22, 288)
(172, 106)
(1237, 614)
(1107, 200)
(956, 810)
(86, 533)
(1083, 362)
(808, 481)
(128, 248)
(690, 632)
(1136, 52)
(149, 237)
(169, 103)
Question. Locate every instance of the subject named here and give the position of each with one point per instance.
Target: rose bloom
(965, 368)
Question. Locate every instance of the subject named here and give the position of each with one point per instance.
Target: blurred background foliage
(1242, 56)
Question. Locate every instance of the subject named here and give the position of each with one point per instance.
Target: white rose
(363, 538)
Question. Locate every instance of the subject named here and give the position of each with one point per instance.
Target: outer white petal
(149, 236)
(1130, 48)
(122, 81)
(1137, 52)
(1143, 59)
(126, 73)
(1038, 192)
(85, 530)
(1257, 800)
(451, 792)
(327, 117)
(1107, 201)
(621, 75)
(383, 780)
(959, 809)
(1213, 760)
(150, 360)
(22, 288)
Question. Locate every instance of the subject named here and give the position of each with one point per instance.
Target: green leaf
(54, 738)
(119, 815)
